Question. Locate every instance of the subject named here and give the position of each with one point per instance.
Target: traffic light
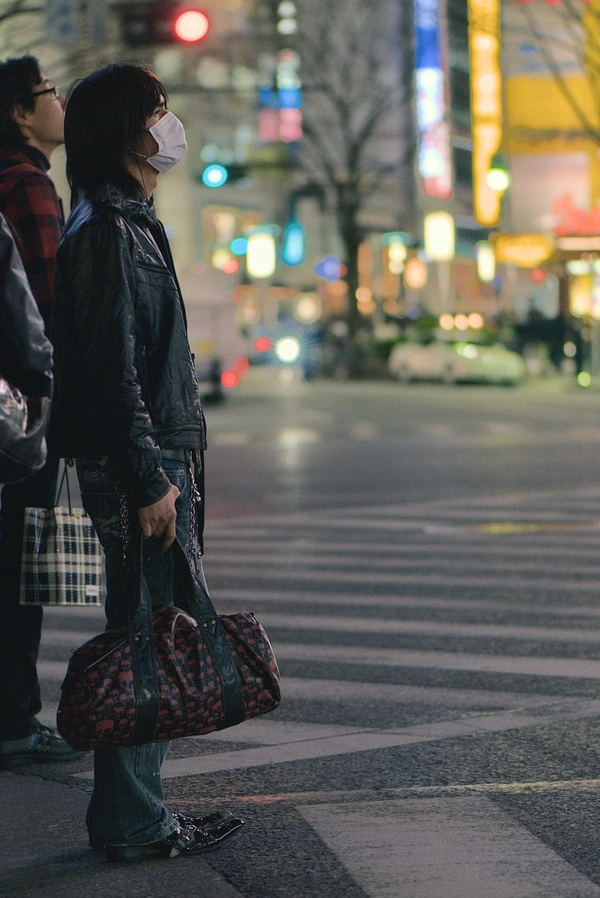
(163, 22)
(217, 175)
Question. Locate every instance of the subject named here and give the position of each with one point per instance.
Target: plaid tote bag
(62, 561)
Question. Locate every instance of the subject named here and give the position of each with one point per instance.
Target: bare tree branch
(16, 8)
(357, 70)
(556, 72)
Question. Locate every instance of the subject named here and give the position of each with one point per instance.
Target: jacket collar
(113, 198)
(128, 204)
(25, 154)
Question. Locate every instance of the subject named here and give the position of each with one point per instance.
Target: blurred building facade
(340, 139)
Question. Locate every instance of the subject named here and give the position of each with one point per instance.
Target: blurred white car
(452, 362)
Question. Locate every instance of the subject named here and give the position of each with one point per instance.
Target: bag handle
(68, 463)
(203, 610)
(141, 633)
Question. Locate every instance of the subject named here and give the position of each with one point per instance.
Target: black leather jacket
(25, 351)
(125, 378)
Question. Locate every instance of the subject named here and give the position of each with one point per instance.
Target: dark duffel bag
(170, 672)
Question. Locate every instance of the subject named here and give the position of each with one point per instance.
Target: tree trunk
(351, 243)
(348, 205)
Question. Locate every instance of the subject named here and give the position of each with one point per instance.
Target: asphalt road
(425, 560)
(303, 447)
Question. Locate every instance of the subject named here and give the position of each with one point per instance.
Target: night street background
(425, 560)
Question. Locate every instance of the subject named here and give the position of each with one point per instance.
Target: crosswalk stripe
(443, 848)
(383, 626)
(506, 664)
(325, 690)
(372, 658)
(333, 562)
(333, 691)
(234, 599)
(368, 576)
(232, 549)
(362, 740)
(311, 749)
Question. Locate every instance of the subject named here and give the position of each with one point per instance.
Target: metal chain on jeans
(195, 500)
(124, 524)
(194, 553)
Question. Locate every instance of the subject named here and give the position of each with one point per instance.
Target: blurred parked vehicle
(456, 361)
(215, 338)
(288, 344)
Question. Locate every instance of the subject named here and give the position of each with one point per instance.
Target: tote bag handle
(67, 463)
(141, 633)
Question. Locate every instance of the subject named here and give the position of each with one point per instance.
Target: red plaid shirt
(32, 208)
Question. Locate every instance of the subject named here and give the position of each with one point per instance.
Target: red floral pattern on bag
(98, 705)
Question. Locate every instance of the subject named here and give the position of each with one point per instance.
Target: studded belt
(176, 454)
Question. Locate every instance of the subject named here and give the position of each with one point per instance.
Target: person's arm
(25, 351)
(99, 273)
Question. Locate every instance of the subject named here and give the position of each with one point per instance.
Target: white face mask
(169, 134)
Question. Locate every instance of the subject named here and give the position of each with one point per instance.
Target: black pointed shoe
(185, 840)
(205, 821)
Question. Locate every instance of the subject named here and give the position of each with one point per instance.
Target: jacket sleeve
(25, 351)
(102, 281)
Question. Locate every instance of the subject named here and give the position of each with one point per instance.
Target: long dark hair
(104, 115)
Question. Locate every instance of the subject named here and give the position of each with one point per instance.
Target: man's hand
(159, 519)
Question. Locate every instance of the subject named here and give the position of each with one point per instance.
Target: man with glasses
(31, 128)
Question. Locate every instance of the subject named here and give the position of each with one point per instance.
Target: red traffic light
(148, 22)
(191, 25)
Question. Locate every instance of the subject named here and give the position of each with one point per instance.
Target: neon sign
(434, 132)
(486, 105)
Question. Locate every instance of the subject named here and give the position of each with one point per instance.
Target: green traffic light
(215, 175)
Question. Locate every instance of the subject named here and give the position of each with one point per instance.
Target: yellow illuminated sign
(523, 250)
(486, 261)
(439, 236)
(415, 274)
(486, 104)
(591, 24)
(261, 255)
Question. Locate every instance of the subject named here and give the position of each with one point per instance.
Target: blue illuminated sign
(239, 246)
(267, 98)
(434, 134)
(293, 248)
(289, 97)
(330, 268)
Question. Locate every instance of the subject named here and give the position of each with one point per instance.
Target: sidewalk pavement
(44, 852)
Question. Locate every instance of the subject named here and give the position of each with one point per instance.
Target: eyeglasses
(47, 90)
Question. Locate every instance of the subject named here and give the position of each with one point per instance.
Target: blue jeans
(127, 801)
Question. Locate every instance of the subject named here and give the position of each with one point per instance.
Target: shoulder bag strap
(141, 635)
(202, 609)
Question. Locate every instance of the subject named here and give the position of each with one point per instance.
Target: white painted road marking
(506, 664)
(284, 743)
(461, 847)
(385, 626)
